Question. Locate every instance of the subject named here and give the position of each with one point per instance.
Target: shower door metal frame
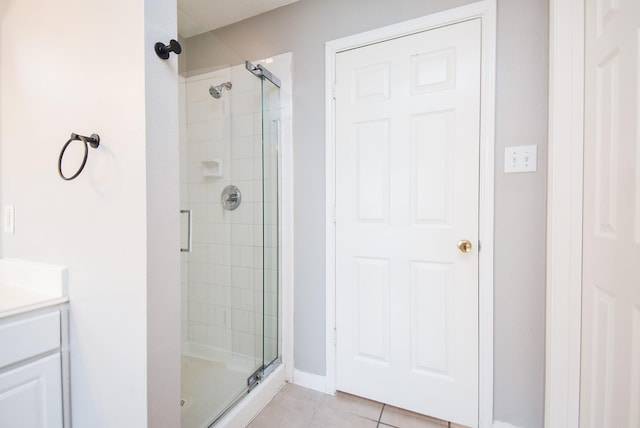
(259, 71)
(263, 73)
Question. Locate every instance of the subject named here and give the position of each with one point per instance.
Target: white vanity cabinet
(33, 363)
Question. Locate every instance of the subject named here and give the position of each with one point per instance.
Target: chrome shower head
(216, 91)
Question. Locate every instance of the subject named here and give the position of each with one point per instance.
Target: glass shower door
(270, 138)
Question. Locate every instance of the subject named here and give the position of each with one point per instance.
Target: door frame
(564, 213)
(486, 11)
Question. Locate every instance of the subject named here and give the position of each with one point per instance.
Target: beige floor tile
(453, 425)
(299, 392)
(404, 419)
(351, 404)
(286, 411)
(330, 418)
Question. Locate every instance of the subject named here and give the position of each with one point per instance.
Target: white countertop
(26, 286)
(17, 299)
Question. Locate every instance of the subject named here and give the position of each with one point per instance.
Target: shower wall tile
(217, 337)
(222, 234)
(204, 110)
(242, 168)
(243, 80)
(216, 294)
(197, 332)
(197, 192)
(244, 343)
(215, 212)
(221, 316)
(216, 254)
(243, 125)
(194, 311)
(198, 291)
(240, 320)
(198, 212)
(197, 152)
(240, 277)
(200, 132)
(240, 234)
(245, 213)
(245, 102)
(258, 255)
(223, 275)
(209, 314)
(242, 147)
(198, 253)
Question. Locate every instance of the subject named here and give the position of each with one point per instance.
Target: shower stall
(230, 127)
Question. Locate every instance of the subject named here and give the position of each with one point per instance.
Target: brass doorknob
(464, 246)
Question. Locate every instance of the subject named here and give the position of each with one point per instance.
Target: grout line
(381, 411)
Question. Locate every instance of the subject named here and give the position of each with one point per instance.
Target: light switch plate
(521, 158)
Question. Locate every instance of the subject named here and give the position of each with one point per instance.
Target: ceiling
(198, 16)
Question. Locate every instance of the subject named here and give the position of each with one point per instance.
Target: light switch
(520, 159)
(9, 219)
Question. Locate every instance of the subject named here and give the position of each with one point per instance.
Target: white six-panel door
(407, 179)
(610, 357)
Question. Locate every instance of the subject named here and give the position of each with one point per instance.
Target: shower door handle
(189, 231)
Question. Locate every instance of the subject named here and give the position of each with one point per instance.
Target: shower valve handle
(230, 198)
(163, 50)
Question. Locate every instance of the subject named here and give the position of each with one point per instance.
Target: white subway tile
(221, 316)
(239, 320)
(199, 111)
(240, 277)
(243, 125)
(223, 275)
(217, 294)
(197, 333)
(248, 300)
(216, 337)
(240, 234)
(194, 311)
(243, 147)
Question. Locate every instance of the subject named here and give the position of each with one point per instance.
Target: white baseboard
(310, 380)
(500, 424)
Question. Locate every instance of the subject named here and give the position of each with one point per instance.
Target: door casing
(564, 213)
(486, 11)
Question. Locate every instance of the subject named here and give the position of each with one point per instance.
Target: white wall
(87, 66)
(162, 217)
(303, 28)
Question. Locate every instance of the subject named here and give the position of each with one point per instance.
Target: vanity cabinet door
(31, 395)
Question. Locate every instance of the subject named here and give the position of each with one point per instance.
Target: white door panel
(407, 168)
(610, 357)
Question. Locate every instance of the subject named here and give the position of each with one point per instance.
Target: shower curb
(247, 409)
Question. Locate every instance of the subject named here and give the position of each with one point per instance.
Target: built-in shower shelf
(212, 168)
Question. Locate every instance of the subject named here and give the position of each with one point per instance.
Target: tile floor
(298, 407)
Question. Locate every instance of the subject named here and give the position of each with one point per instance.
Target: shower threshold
(252, 382)
(245, 410)
(208, 390)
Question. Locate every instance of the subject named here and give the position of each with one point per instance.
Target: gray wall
(303, 28)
